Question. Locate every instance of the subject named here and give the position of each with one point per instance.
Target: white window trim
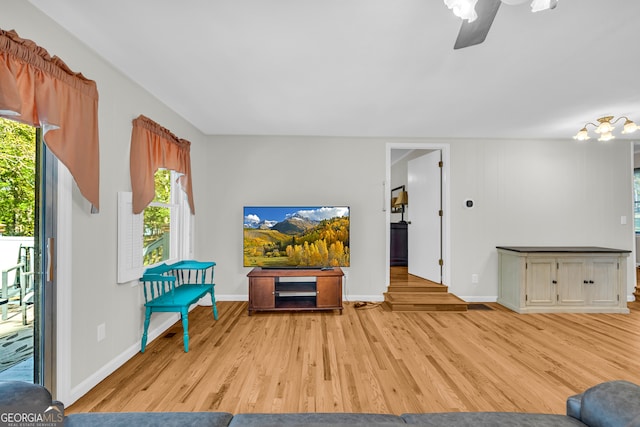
(130, 266)
(130, 231)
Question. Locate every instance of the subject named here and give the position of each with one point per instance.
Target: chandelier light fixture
(605, 128)
(466, 9)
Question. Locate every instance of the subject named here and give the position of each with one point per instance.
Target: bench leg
(213, 304)
(147, 317)
(185, 328)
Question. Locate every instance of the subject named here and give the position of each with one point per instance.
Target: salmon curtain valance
(154, 147)
(41, 90)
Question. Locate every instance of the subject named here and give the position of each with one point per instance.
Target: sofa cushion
(573, 405)
(635, 422)
(315, 419)
(611, 404)
(20, 393)
(490, 419)
(148, 419)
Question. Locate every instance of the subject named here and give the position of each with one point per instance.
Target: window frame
(131, 228)
(636, 200)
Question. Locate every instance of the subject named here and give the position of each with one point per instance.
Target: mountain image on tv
(295, 236)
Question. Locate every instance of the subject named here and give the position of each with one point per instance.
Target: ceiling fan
(477, 17)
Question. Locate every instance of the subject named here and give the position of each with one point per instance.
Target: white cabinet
(546, 280)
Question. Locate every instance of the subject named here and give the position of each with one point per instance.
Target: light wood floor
(371, 360)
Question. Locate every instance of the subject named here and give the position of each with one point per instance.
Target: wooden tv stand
(295, 289)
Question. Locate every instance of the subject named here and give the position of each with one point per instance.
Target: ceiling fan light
(606, 136)
(629, 127)
(540, 5)
(465, 9)
(582, 135)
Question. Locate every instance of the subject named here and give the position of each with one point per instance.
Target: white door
(425, 223)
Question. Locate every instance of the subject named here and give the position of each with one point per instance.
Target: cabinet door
(262, 293)
(602, 289)
(572, 273)
(329, 292)
(540, 289)
(398, 244)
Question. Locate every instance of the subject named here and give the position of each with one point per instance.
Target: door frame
(446, 204)
(63, 278)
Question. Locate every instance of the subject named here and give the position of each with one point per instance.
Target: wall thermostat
(468, 203)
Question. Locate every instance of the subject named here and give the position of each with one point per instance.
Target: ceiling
(369, 68)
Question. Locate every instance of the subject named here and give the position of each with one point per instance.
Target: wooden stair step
(423, 301)
(436, 288)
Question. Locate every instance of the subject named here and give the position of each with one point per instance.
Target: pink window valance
(154, 147)
(41, 90)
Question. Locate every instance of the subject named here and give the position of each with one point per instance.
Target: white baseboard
(86, 385)
(240, 297)
(243, 297)
(367, 298)
(479, 298)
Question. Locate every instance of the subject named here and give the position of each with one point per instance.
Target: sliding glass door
(44, 316)
(28, 194)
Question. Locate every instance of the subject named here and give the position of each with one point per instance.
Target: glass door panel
(28, 182)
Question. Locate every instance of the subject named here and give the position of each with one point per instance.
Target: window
(161, 233)
(156, 224)
(636, 199)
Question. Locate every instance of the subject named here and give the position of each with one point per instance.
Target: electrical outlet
(623, 220)
(474, 278)
(102, 331)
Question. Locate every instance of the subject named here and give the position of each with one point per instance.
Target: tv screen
(296, 236)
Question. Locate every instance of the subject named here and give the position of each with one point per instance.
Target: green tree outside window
(17, 178)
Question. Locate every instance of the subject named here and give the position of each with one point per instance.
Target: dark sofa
(609, 404)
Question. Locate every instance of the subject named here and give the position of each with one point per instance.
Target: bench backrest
(155, 285)
(165, 278)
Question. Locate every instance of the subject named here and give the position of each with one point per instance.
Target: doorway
(28, 203)
(397, 153)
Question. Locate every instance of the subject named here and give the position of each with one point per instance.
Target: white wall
(526, 193)
(562, 193)
(96, 297)
(243, 171)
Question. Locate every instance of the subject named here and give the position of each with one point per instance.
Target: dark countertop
(562, 249)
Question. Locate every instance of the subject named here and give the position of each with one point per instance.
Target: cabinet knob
(585, 281)
(591, 281)
(554, 282)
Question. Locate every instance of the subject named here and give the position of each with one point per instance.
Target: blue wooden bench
(174, 288)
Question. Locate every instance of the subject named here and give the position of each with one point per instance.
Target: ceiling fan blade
(475, 32)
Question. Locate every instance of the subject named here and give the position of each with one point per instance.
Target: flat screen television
(296, 236)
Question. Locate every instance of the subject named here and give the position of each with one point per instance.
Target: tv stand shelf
(295, 289)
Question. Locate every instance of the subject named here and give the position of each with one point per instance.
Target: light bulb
(605, 125)
(582, 135)
(465, 9)
(540, 5)
(629, 127)
(606, 136)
